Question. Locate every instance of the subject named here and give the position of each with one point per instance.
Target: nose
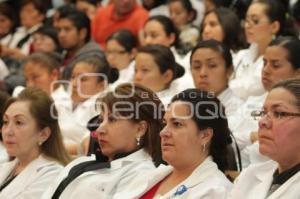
(102, 128)
(147, 40)
(30, 83)
(137, 77)
(265, 122)
(266, 68)
(165, 132)
(203, 72)
(7, 130)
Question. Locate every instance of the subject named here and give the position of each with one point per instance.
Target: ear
(82, 34)
(44, 134)
(206, 135)
(168, 76)
(229, 72)
(275, 27)
(171, 38)
(297, 73)
(142, 128)
(133, 53)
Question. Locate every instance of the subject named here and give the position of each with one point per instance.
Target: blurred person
(156, 69)
(265, 20)
(120, 51)
(119, 14)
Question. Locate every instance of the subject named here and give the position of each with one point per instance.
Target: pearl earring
(138, 141)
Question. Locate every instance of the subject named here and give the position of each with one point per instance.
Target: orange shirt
(105, 22)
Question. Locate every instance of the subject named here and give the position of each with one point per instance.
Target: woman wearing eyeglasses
(281, 61)
(279, 139)
(265, 19)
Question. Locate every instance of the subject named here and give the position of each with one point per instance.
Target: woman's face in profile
(212, 29)
(279, 136)
(21, 135)
(181, 136)
(117, 134)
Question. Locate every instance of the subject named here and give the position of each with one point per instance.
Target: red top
(105, 22)
(150, 194)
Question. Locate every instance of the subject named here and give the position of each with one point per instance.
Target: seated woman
(128, 135)
(281, 61)
(265, 19)
(30, 134)
(194, 143)
(183, 14)
(155, 68)
(222, 24)
(161, 30)
(211, 66)
(278, 138)
(120, 52)
(90, 77)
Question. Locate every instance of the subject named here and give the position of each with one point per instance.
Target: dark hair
(221, 3)
(276, 11)
(292, 46)
(48, 61)
(40, 5)
(218, 148)
(230, 23)
(93, 2)
(164, 58)
(187, 5)
(125, 38)
(155, 4)
(293, 86)
(7, 11)
(101, 66)
(167, 25)
(216, 46)
(3, 98)
(50, 32)
(141, 104)
(42, 108)
(80, 20)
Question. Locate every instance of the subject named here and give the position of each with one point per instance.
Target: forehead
(280, 97)
(18, 108)
(154, 25)
(203, 54)
(35, 67)
(82, 67)
(257, 9)
(211, 16)
(65, 22)
(276, 52)
(178, 109)
(113, 43)
(144, 59)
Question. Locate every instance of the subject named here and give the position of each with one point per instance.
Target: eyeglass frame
(252, 22)
(119, 52)
(257, 115)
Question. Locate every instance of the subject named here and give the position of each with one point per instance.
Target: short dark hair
(216, 46)
(292, 46)
(218, 148)
(167, 25)
(186, 4)
(41, 5)
(164, 59)
(125, 38)
(80, 20)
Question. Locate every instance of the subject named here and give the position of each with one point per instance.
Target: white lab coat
(231, 102)
(206, 182)
(125, 75)
(255, 182)
(3, 70)
(243, 124)
(246, 79)
(166, 95)
(102, 183)
(73, 123)
(3, 154)
(32, 181)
